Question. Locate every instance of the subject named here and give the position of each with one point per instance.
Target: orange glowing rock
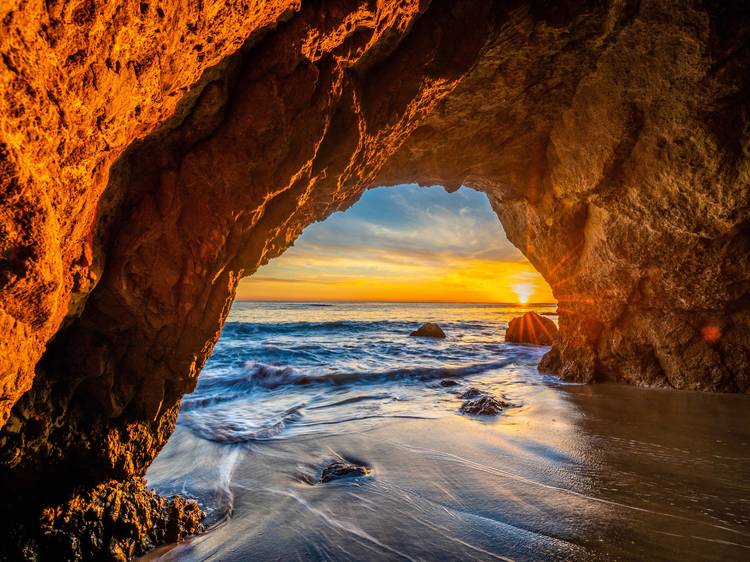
(429, 330)
(531, 328)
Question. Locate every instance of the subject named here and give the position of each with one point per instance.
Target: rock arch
(152, 155)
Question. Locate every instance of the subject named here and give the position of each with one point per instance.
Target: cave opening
(403, 243)
(319, 346)
(367, 278)
(319, 419)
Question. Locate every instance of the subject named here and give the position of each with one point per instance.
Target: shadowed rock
(531, 328)
(480, 403)
(429, 330)
(484, 405)
(343, 469)
(449, 382)
(111, 521)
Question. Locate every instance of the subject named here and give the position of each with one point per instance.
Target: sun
(523, 291)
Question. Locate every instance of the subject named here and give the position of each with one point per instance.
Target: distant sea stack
(429, 330)
(532, 328)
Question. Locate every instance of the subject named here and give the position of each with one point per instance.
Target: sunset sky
(403, 244)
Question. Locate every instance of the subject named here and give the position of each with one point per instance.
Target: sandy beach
(602, 472)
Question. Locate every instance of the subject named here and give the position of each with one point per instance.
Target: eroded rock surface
(114, 520)
(151, 154)
(531, 328)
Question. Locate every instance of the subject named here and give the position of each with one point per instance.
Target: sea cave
(153, 154)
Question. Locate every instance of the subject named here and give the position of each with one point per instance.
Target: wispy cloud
(262, 279)
(403, 242)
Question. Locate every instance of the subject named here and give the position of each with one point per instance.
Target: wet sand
(602, 472)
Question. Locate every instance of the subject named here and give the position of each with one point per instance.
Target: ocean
(585, 472)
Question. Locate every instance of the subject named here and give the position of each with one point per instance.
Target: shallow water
(573, 472)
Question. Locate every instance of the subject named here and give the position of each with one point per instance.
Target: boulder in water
(479, 403)
(484, 405)
(343, 469)
(531, 328)
(429, 330)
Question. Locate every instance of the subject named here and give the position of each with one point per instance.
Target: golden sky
(403, 244)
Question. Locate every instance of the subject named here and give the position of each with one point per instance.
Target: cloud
(408, 241)
(415, 220)
(262, 279)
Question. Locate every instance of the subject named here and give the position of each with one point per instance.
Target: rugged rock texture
(112, 521)
(484, 405)
(152, 153)
(531, 328)
(80, 82)
(429, 330)
(479, 403)
(613, 143)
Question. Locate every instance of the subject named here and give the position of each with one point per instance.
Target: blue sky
(398, 243)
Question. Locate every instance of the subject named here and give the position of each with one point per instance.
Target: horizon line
(327, 301)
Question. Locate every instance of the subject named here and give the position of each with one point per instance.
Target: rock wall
(153, 153)
(615, 150)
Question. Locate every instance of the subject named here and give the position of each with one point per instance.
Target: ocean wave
(262, 375)
(274, 375)
(256, 376)
(235, 329)
(224, 426)
(239, 329)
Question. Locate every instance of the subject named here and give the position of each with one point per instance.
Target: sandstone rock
(531, 328)
(429, 330)
(550, 363)
(343, 469)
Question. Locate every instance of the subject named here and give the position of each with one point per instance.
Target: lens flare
(711, 333)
